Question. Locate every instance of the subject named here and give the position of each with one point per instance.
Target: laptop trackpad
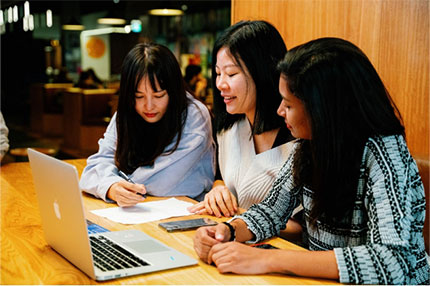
(146, 246)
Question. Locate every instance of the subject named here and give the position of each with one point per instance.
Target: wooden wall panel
(394, 34)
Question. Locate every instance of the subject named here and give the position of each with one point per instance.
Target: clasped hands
(212, 245)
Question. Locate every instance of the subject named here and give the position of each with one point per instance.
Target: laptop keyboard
(110, 256)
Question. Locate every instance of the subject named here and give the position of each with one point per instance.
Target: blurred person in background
(196, 81)
(4, 139)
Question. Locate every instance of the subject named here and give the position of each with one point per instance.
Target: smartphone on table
(188, 224)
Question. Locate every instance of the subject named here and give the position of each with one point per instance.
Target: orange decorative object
(95, 47)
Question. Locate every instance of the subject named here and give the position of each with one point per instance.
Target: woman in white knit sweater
(253, 142)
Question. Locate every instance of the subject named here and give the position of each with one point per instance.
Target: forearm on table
(318, 264)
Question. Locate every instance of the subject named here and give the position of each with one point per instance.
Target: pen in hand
(127, 178)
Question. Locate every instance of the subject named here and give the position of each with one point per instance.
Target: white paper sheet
(146, 212)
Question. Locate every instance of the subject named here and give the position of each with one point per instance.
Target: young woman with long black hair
(363, 198)
(253, 142)
(160, 136)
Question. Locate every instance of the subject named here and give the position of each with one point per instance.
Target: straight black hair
(347, 103)
(139, 142)
(259, 46)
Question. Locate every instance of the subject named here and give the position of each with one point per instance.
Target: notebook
(130, 252)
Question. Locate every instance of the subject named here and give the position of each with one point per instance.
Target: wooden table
(27, 259)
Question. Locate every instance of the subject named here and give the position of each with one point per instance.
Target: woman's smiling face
(235, 84)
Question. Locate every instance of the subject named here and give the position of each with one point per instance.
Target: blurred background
(51, 50)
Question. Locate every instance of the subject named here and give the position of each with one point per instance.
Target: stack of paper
(146, 212)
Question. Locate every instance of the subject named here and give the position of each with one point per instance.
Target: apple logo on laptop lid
(57, 209)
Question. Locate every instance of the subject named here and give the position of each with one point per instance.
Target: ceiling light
(166, 12)
(26, 9)
(111, 21)
(48, 18)
(10, 15)
(73, 25)
(25, 24)
(15, 13)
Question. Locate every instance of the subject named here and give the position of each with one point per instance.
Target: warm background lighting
(166, 12)
(111, 21)
(48, 18)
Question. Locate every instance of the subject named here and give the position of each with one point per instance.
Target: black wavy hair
(139, 142)
(259, 46)
(347, 103)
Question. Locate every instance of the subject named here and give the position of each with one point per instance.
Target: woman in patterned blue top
(363, 199)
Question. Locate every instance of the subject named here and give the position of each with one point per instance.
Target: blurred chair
(87, 113)
(96, 108)
(47, 108)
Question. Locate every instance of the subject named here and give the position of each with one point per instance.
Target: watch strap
(232, 231)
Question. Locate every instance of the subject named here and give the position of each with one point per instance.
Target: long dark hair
(139, 142)
(260, 47)
(347, 103)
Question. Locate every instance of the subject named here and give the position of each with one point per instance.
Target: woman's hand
(219, 202)
(126, 194)
(239, 258)
(208, 236)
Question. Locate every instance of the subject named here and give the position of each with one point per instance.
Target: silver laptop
(102, 256)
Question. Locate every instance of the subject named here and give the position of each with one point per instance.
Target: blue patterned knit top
(382, 243)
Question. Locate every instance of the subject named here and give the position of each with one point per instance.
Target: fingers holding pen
(139, 189)
(126, 193)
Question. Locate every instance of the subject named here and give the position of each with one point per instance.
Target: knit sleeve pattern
(267, 218)
(393, 251)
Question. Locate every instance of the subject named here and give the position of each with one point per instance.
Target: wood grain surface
(394, 34)
(27, 259)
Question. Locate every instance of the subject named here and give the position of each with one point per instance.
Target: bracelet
(232, 231)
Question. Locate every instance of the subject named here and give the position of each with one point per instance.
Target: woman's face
(294, 112)
(151, 104)
(236, 85)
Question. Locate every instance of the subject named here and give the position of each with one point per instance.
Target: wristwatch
(232, 231)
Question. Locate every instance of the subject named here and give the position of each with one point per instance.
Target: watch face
(95, 47)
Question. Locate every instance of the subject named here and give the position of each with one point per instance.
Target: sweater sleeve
(101, 172)
(4, 140)
(394, 199)
(267, 218)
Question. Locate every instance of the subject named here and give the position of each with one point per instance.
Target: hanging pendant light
(73, 25)
(166, 12)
